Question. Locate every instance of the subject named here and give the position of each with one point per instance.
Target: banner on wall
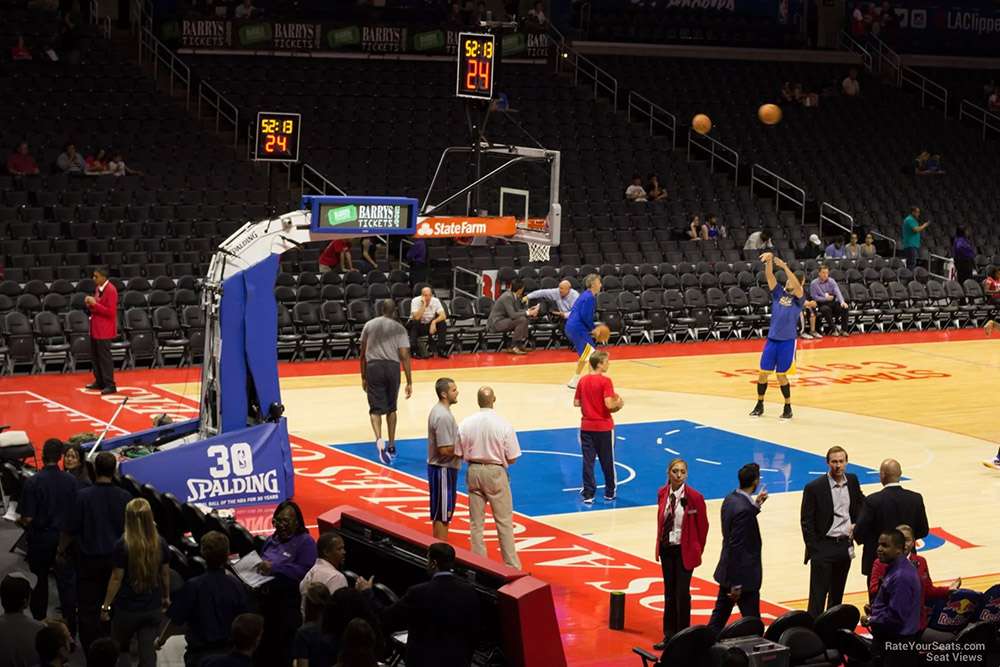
(297, 36)
(251, 466)
(967, 27)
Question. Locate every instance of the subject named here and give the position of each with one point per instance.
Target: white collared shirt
(487, 437)
(674, 529)
(323, 572)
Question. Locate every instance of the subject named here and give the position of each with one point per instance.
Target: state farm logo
(463, 228)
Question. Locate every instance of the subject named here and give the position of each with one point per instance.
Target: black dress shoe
(443, 355)
(660, 645)
(109, 390)
(93, 385)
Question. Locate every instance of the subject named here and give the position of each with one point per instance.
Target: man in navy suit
(739, 571)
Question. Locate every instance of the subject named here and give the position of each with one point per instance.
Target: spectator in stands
(53, 644)
(287, 556)
(804, 97)
(991, 286)
(851, 86)
(358, 646)
(17, 629)
(336, 253)
(757, 241)
(654, 192)
(139, 588)
(912, 229)
(117, 167)
(311, 647)
(71, 162)
(928, 591)
(246, 10)
(428, 318)
(857, 22)
(246, 634)
(635, 191)
(832, 305)
(455, 18)
(20, 162)
(369, 251)
(563, 297)
(537, 18)
(330, 555)
(97, 164)
(206, 605)
(894, 615)
(509, 314)
(926, 164)
(853, 249)
(994, 99)
(868, 249)
(964, 253)
(19, 51)
(46, 498)
(74, 462)
(103, 653)
(812, 248)
(95, 523)
(712, 230)
(441, 616)
(694, 228)
(836, 250)
(787, 93)
(416, 257)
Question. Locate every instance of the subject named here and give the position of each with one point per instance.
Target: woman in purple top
(964, 253)
(287, 555)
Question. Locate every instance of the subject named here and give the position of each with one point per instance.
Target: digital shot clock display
(476, 65)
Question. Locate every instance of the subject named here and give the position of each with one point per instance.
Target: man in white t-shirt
(635, 191)
(428, 318)
(758, 241)
(851, 86)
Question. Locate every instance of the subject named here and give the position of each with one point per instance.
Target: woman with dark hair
(346, 605)
(357, 646)
(964, 254)
(286, 556)
(75, 463)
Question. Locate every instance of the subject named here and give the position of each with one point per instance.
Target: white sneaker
(806, 335)
(573, 382)
(383, 453)
(817, 335)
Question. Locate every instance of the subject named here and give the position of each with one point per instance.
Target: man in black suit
(886, 509)
(739, 570)
(830, 508)
(442, 615)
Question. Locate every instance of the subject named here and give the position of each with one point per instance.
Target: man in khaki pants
(488, 444)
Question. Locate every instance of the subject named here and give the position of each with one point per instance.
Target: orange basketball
(602, 333)
(769, 114)
(701, 123)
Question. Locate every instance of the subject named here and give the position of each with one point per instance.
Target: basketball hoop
(538, 252)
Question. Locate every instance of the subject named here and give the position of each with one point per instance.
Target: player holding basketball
(779, 350)
(580, 327)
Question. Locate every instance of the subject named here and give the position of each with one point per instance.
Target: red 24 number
(276, 143)
(478, 75)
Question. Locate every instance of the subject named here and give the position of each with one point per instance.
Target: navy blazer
(739, 563)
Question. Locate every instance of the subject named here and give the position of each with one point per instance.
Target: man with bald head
(488, 444)
(384, 345)
(427, 318)
(563, 297)
(886, 509)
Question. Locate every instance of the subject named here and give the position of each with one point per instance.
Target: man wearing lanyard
(488, 444)
(103, 308)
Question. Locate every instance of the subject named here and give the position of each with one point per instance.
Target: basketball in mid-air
(602, 333)
(769, 114)
(701, 123)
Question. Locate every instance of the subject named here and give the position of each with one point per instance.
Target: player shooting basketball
(580, 327)
(779, 350)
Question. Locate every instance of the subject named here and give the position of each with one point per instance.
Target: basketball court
(925, 399)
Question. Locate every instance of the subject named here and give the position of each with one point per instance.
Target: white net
(538, 252)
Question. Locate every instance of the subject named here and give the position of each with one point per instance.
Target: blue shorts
(580, 340)
(778, 355)
(443, 482)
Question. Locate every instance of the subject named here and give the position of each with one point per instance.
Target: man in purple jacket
(832, 305)
(894, 615)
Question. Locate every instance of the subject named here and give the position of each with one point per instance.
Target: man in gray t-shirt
(442, 464)
(384, 345)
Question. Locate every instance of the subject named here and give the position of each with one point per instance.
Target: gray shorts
(383, 386)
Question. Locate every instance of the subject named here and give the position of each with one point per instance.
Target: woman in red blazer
(681, 529)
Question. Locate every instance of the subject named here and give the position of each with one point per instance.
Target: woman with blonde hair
(139, 589)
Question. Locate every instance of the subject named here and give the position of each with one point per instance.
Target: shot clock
(477, 58)
(277, 136)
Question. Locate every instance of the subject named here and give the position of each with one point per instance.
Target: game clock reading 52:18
(277, 137)
(476, 65)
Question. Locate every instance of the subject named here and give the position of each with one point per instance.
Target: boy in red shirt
(597, 400)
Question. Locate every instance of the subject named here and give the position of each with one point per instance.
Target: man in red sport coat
(103, 308)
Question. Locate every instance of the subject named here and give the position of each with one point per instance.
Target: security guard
(45, 501)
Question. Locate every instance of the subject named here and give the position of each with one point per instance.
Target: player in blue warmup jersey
(580, 324)
(779, 350)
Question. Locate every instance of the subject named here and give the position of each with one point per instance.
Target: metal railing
(928, 89)
(582, 66)
(224, 109)
(988, 119)
(844, 220)
(658, 116)
(782, 187)
(891, 240)
(158, 55)
(947, 264)
(848, 43)
(716, 150)
(319, 183)
(103, 24)
(462, 272)
(884, 57)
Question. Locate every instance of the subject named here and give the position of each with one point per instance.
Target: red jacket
(104, 313)
(694, 525)
(928, 591)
